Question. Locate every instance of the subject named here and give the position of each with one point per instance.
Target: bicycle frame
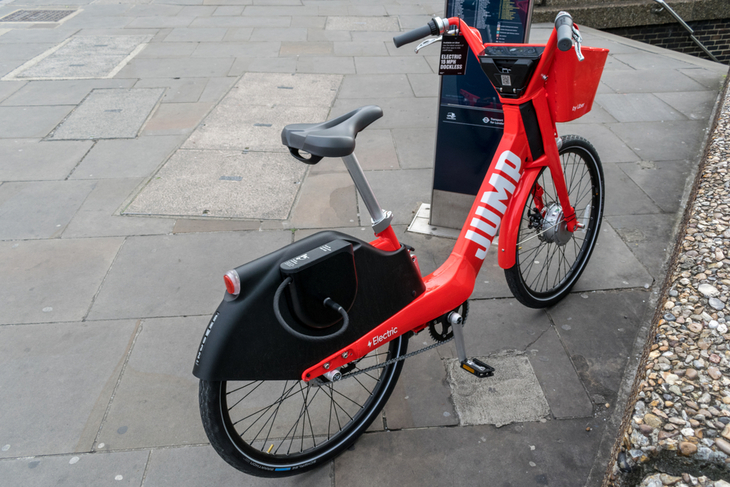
(525, 149)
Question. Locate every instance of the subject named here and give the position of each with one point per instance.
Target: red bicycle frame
(500, 201)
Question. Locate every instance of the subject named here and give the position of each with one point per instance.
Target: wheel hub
(554, 229)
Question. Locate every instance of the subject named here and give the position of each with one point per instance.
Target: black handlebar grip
(430, 29)
(564, 26)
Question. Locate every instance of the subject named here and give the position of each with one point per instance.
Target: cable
(327, 302)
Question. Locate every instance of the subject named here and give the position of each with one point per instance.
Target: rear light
(233, 283)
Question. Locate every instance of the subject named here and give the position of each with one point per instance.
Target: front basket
(572, 84)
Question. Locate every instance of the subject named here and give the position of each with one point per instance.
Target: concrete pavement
(140, 160)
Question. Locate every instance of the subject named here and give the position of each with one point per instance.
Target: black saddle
(334, 138)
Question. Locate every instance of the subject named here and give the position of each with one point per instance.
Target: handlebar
(564, 26)
(430, 29)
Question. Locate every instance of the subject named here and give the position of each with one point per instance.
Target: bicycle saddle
(334, 138)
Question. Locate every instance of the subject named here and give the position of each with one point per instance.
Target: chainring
(440, 328)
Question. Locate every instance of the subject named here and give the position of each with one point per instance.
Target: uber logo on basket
(489, 213)
(451, 116)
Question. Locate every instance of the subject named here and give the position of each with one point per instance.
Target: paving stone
(319, 34)
(598, 331)
(109, 114)
(73, 368)
(649, 237)
(297, 90)
(107, 469)
(263, 65)
(177, 275)
(706, 77)
(623, 81)
(216, 88)
(415, 147)
(422, 396)
(359, 48)
(398, 191)
(389, 24)
(695, 105)
(240, 21)
(609, 146)
(176, 68)
(168, 50)
(159, 22)
(201, 465)
(490, 328)
(626, 197)
(255, 128)
(663, 181)
(7, 88)
(512, 395)
(222, 184)
(237, 49)
(238, 34)
(72, 273)
(186, 90)
(158, 372)
(397, 112)
(199, 226)
(424, 84)
(563, 455)
(391, 65)
(176, 118)
(30, 122)
(59, 92)
(197, 11)
(559, 381)
(680, 139)
(34, 160)
(375, 86)
(637, 107)
(39, 209)
(85, 57)
(326, 200)
(653, 61)
(126, 158)
(185, 34)
(326, 64)
(98, 215)
(295, 48)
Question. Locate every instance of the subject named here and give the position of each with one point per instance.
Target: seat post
(380, 218)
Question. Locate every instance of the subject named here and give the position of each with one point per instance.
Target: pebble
(686, 448)
(716, 303)
(682, 404)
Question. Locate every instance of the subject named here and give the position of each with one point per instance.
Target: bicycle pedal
(478, 368)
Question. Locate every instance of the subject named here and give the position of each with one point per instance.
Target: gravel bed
(681, 417)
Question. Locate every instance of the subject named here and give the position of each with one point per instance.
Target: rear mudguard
(244, 340)
(509, 229)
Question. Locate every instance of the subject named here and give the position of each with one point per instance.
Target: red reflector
(233, 283)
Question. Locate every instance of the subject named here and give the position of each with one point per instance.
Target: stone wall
(646, 21)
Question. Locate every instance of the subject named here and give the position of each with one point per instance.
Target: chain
(394, 360)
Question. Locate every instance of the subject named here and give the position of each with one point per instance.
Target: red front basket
(572, 84)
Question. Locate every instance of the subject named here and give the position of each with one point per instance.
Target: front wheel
(281, 428)
(549, 259)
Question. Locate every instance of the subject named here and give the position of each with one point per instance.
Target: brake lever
(578, 41)
(428, 42)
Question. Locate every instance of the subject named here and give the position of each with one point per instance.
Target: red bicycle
(309, 341)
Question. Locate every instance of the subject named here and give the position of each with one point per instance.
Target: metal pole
(686, 27)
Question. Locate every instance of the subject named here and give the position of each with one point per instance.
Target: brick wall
(714, 34)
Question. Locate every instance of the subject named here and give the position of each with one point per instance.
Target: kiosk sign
(470, 120)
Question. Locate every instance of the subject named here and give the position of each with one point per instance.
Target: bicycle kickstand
(472, 365)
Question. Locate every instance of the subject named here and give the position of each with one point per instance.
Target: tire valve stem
(270, 448)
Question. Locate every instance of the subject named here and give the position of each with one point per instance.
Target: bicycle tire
(534, 279)
(241, 441)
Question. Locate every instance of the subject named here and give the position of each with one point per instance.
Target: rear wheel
(549, 259)
(281, 428)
